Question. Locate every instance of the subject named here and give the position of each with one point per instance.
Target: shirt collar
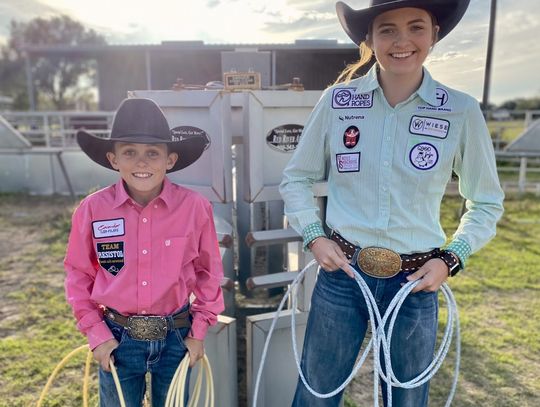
(122, 195)
(427, 90)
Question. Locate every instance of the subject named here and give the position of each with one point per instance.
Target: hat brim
(356, 23)
(188, 149)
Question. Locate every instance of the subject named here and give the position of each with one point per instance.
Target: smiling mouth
(402, 55)
(142, 175)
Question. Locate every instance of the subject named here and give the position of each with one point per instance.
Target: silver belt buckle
(379, 262)
(147, 328)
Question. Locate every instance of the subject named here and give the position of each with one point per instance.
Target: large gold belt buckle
(147, 328)
(379, 262)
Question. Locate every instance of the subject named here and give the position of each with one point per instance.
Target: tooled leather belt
(148, 327)
(380, 262)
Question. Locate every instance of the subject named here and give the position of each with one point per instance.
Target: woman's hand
(195, 349)
(329, 256)
(432, 274)
(102, 353)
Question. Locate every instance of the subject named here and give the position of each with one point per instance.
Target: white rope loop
(380, 339)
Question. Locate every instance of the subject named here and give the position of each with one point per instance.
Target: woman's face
(401, 40)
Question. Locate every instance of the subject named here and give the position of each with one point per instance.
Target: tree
(54, 75)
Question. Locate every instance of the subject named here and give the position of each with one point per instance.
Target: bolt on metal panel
(209, 111)
(279, 377)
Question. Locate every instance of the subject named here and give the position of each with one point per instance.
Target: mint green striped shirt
(387, 168)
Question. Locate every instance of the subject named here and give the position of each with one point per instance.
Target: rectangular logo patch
(347, 98)
(108, 228)
(429, 126)
(348, 162)
(111, 256)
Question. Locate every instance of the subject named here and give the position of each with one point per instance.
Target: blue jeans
(336, 328)
(134, 358)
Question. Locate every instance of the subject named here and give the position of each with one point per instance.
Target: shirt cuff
(311, 232)
(98, 334)
(198, 330)
(461, 249)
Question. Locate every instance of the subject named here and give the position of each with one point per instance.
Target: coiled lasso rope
(379, 339)
(175, 395)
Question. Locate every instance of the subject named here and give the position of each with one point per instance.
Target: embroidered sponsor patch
(108, 228)
(284, 138)
(442, 99)
(111, 256)
(347, 98)
(348, 162)
(351, 137)
(429, 126)
(424, 156)
(346, 118)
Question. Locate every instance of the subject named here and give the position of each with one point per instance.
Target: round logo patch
(424, 156)
(351, 137)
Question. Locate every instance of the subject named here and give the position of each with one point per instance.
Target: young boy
(137, 251)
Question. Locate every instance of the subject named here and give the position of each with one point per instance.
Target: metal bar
(29, 82)
(66, 176)
(269, 237)
(489, 57)
(522, 175)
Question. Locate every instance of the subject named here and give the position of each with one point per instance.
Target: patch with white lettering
(429, 126)
(346, 118)
(108, 228)
(348, 162)
(442, 99)
(424, 156)
(351, 137)
(347, 98)
(111, 256)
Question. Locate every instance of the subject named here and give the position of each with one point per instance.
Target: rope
(380, 339)
(175, 395)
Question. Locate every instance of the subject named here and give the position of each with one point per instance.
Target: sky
(458, 60)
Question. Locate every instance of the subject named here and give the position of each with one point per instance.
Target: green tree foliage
(522, 104)
(55, 77)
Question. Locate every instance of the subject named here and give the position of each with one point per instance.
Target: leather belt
(148, 327)
(380, 262)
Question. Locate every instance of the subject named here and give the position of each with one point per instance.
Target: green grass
(497, 297)
(508, 130)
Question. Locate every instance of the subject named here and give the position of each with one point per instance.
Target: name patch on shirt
(347, 118)
(111, 256)
(424, 156)
(347, 98)
(429, 126)
(348, 162)
(108, 228)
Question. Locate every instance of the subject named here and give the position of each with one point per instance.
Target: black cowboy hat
(356, 22)
(140, 120)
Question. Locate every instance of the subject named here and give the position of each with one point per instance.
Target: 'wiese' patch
(108, 228)
(429, 126)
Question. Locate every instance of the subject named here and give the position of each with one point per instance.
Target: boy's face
(142, 167)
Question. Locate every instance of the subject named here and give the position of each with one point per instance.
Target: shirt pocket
(176, 253)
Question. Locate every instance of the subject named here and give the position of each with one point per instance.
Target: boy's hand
(195, 349)
(102, 353)
(433, 274)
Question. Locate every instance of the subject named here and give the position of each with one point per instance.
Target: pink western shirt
(144, 261)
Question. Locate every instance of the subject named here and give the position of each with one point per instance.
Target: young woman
(387, 142)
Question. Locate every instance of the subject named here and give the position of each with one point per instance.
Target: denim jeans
(336, 328)
(134, 358)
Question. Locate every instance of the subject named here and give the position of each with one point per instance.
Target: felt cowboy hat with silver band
(356, 23)
(141, 121)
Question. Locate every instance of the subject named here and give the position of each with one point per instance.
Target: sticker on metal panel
(351, 137)
(429, 126)
(348, 162)
(347, 98)
(111, 256)
(284, 138)
(181, 133)
(424, 156)
(108, 228)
